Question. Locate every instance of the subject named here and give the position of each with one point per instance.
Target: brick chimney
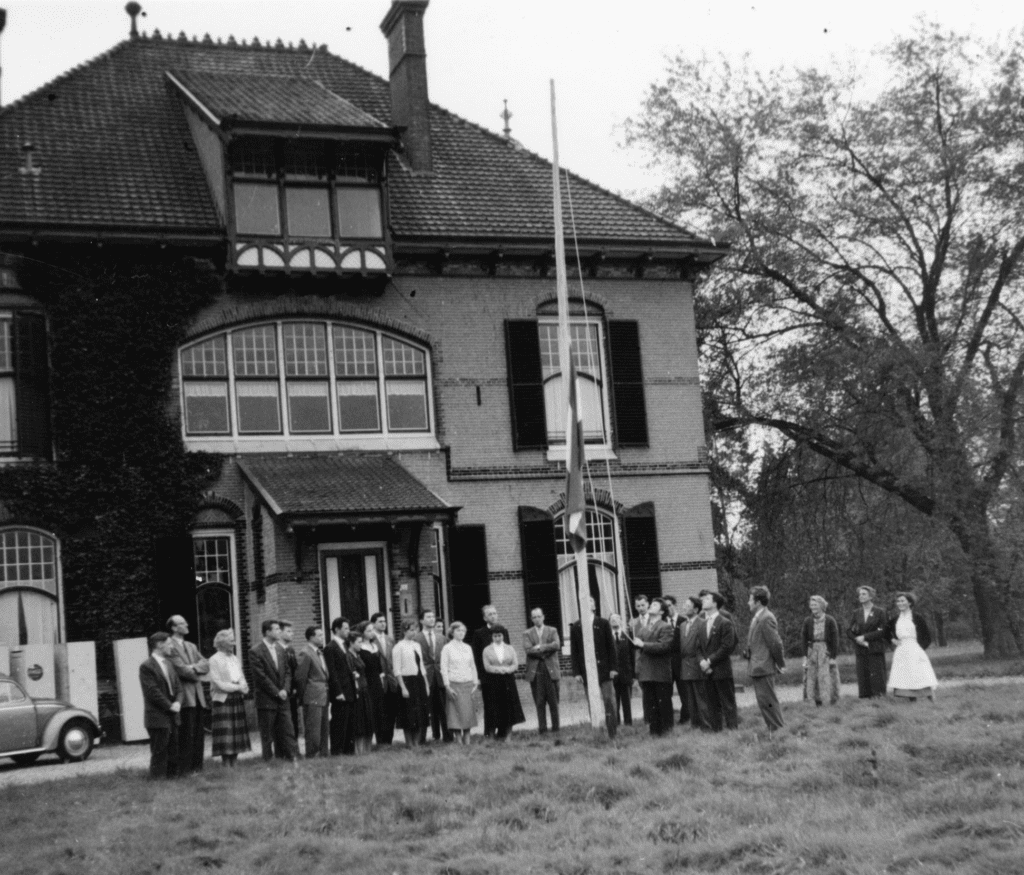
(407, 61)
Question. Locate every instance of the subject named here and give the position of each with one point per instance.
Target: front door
(353, 582)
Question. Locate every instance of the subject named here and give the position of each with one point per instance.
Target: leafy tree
(872, 307)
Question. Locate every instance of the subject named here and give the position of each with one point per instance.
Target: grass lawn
(947, 795)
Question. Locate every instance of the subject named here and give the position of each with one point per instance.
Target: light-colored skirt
(461, 707)
(911, 670)
(821, 680)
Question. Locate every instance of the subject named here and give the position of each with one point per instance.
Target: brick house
(375, 375)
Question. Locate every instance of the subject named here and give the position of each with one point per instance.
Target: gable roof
(275, 100)
(116, 153)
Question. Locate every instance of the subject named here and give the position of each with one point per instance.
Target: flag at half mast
(575, 501)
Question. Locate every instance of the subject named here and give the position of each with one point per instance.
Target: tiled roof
(343, 485)
(116, 152)
(247, 97)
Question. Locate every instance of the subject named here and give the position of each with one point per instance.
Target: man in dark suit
(654, 667)
(341, 689)
(764, 650)
(675, 619)
(287, 634)
(867, 629)
(715, 647)
(604, 656)
(431, 645)
(272, 680)
(191, 668)
(542, 647)
(162, 695)
(481, 641)
(392, 693)
(694, 684)
(625, 671)
(311, 683)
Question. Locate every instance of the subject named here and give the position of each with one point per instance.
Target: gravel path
(135, 757)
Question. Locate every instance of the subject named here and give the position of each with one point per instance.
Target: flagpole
(575, 516)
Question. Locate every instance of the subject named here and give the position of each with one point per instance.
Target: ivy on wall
(122, 478)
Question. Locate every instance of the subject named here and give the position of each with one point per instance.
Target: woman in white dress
(911, 674)
(458, 671)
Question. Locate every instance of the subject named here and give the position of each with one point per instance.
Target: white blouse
(458, 666)
(226, 676)
(403, 659)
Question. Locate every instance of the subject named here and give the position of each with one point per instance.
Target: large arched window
(305, 379)
(214, 563)
(31, 606)
(602, 566)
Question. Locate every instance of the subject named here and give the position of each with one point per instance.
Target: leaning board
(129, 654)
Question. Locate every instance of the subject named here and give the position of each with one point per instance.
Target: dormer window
(303, 192)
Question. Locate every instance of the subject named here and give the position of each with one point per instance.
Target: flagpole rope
(621, 570)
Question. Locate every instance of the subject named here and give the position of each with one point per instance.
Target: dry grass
(946, 795)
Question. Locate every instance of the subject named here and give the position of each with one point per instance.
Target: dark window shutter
(640, 537)
(174, 578)
(32, 385)
(470, 587)
(540, 565)
(629, 410)
(525, 385)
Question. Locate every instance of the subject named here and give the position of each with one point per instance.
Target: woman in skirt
(501, 663)
(911, 674)
(362, 713)
(228, 690)
(407, 664)
(369, 653)
(821, 647)
(458, 672)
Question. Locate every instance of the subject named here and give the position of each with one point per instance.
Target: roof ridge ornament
(134, 10)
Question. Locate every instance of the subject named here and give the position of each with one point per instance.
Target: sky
(602, 54)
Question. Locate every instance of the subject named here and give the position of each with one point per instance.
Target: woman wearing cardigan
(227, 691)
(821, 647)
(458, 672)
(501, 662)
(867, 629)
(911, 674)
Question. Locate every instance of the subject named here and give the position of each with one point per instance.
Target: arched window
(305, 379)
(31, 604)
(602, 561)
(213, 560)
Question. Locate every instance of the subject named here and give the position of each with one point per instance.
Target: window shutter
(640, 537)
(470, 587)
(525, 385)
(629, 410)
(540, 564)
(32, 385)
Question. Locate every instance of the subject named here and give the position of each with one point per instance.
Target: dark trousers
(545, 698)
(316, 720)
(293, 704)
(163, 752)
(697, 703)
(276, 733)
(439, 709)
(767, 701)
(684, 705)
(722, 704)
(342, 741)
(624, 700)
(390, 704)
(870, 673)
(191, 741)
(658, 705)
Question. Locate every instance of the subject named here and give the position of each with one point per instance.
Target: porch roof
(319, 489)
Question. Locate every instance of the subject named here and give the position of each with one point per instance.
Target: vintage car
(31, 727)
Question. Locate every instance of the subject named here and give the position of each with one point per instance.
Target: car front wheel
(75, 742)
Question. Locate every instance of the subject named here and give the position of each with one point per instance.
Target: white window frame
(287, 441)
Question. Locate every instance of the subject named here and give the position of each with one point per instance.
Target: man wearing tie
(431, 644)
(642, 604)
(764, 650)
(542, 646)
(162, 694)
(191, 668)
(623, 680)
(341, 688)
(693, 680)
(311, 683)
(287, 634)
(716, 644)
(272, 682)
(392, 694)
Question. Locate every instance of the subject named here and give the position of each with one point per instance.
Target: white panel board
(5, 660)
(84, 692)
(129, 654)
(39, 670)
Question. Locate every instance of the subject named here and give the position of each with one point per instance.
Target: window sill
(319, 444)
(595, 453)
